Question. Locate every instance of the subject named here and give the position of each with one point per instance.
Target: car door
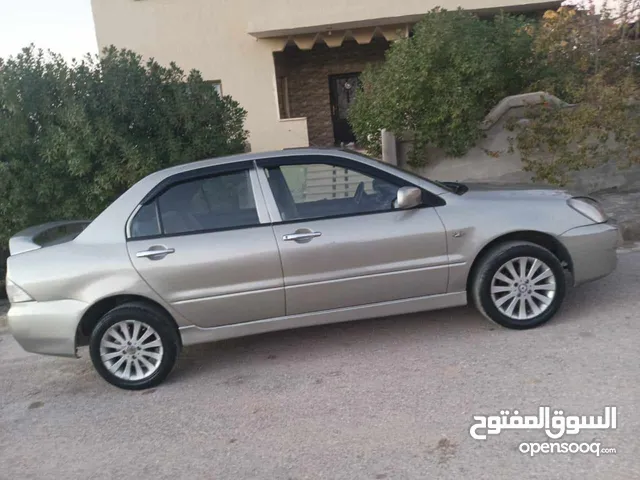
(206, 246)
(341, 241)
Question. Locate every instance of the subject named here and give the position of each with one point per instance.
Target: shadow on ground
(327, 340)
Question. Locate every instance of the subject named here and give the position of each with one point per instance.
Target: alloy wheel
(131, 350)
(523, 288)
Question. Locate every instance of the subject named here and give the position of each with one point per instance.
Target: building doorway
(311, 84)
(342, 90)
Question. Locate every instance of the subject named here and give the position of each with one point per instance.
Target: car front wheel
(519, 285)
(134, 346)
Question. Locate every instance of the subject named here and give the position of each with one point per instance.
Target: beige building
(292, 64)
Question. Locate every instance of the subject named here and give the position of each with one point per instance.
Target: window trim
(430, 199)
(217, 84)
(194, 175)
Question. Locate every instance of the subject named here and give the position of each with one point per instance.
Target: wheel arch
(541, 239)
(96, 311)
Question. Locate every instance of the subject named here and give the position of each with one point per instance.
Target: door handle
(155, 253)
(301, 236)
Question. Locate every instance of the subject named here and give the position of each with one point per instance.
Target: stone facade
(307, 81)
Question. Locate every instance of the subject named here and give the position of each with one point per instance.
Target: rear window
(217, 202)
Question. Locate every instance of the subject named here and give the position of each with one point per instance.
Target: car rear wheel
(519, 285)
(134, 346)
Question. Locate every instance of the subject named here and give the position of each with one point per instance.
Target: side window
(145, 223)
(212, 203)
(323, 190)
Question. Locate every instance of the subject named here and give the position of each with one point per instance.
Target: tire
(145, 362)
(493, 296)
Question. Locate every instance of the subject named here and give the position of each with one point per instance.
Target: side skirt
(192, 334)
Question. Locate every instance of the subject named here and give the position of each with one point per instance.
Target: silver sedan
(254, 243)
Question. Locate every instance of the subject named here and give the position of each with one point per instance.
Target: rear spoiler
(45, 235)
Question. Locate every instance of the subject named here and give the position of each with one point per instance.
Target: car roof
(287, 152)
(354, 155)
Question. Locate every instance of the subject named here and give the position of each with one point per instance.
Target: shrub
(73, 137)
(592, 61)
(441, 82)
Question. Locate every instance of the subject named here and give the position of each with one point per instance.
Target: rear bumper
(593, 251)
(47, 328)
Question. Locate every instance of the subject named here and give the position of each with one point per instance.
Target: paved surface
(380, 399)
(625, 208)
(4, 308)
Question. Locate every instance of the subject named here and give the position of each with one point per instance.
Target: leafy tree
(73, 137)
(593, 61)
(441, 82)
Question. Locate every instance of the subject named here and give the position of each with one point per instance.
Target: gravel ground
(4, 308)
(379, 399)
(625, 208)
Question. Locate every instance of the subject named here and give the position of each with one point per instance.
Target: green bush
(442, 81)
(592, 61)
(73, 137)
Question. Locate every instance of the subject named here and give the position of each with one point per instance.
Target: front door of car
(206, 246)
(342, 242)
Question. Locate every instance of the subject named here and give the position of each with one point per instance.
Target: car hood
(517, 191)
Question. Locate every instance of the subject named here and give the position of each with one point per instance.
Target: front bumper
(48, 328)
(593, 251)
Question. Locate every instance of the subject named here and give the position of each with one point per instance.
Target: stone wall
(307, 81)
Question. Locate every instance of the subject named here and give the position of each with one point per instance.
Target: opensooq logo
(555, 426)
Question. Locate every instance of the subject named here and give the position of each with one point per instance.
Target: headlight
(588, 207)
(15, 294)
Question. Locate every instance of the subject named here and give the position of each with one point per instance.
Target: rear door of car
(204, 243)
(337, 252)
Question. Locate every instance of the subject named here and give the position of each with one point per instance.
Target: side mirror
(408, 197)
